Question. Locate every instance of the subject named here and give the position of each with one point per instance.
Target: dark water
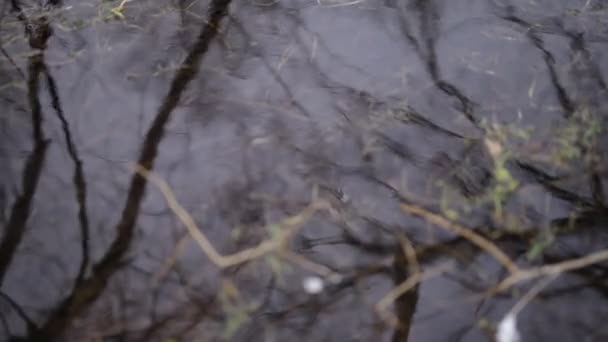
(489, 114)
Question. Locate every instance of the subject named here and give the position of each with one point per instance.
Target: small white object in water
(507, 330)
(313, 285)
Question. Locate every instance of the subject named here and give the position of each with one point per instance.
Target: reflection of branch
(78, 178)
(11, 61)
(429, 17)
(597, 189)
(31, 326)
(273, 71)
(547, 181)
(15, 227)
(531, 32)
(85, 293)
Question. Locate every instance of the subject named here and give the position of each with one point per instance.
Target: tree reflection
(456, 147)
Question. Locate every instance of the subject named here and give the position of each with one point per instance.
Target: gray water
(489, 113)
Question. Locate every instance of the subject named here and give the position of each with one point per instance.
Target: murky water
(354, 141)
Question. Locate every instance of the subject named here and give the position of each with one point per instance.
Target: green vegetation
(576, 139)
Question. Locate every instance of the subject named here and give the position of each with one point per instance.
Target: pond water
(329, 170)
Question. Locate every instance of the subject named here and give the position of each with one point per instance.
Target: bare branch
(466, 233)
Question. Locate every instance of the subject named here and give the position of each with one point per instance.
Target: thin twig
(466, 233)
(171, 260)
(312, 266)
(401, 289)
(550, 270)
(410, 253)
(533, 292)
(517, 274)
(290, 227)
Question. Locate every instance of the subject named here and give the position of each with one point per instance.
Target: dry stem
(291, 226)
(466, 233)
